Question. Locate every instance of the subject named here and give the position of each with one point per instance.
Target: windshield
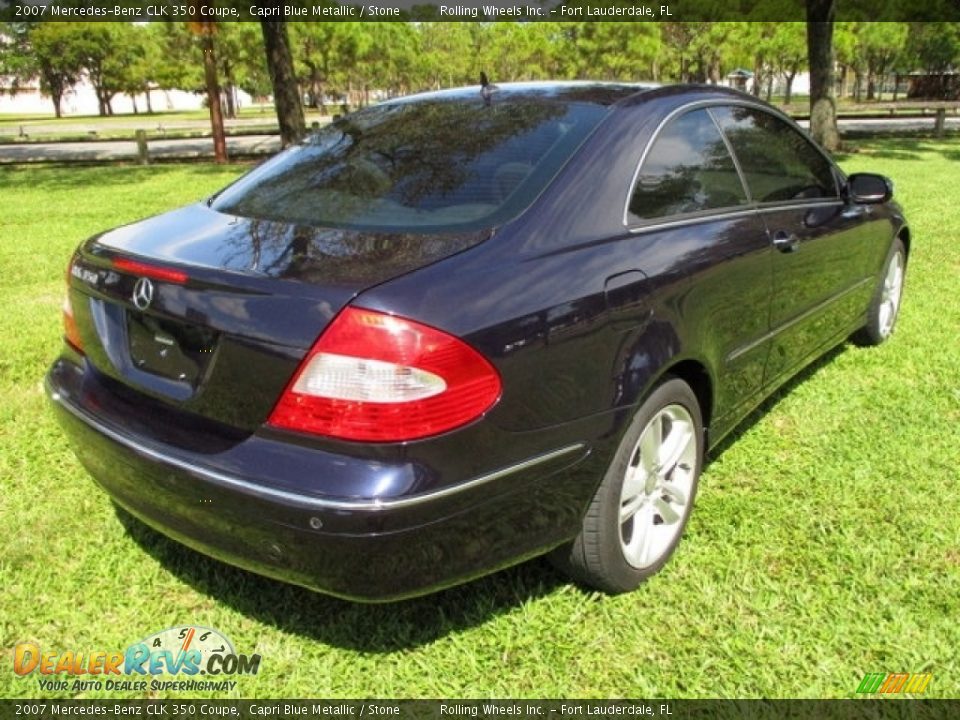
(429, 166)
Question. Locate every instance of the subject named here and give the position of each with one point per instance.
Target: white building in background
(742, 79)
(82, 100)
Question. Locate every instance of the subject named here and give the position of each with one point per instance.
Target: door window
(687, 170)
(778, 163)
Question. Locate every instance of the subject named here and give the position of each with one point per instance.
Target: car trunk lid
(211, 313)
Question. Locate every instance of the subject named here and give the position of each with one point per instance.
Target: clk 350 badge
(88, 276)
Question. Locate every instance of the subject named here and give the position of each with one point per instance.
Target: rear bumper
(360, 548)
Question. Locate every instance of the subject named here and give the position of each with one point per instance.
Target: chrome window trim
(680, 221)
(720, 215)
(305, 501)
(686, 218)
(797, 205)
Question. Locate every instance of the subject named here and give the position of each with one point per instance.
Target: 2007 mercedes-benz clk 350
(461, 329)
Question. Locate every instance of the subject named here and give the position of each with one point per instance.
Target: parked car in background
(461, 329)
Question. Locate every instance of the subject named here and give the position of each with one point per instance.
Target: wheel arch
(904, 234)
(695, 374)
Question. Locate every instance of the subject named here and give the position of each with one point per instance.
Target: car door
(690, 201)
(820, 244)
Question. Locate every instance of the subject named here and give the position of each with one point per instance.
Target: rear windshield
(428, 166)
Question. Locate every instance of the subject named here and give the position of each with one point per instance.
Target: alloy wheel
(890, 294)
(657, 486)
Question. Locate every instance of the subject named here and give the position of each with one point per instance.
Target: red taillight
(151, 271)
(379, 378)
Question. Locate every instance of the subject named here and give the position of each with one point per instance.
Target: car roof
(604, 93)
(582, 91)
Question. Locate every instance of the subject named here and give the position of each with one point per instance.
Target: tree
(240, 62)
(934, 47)
(451, 53)
(845, 55)
(393, 60)
(870, 49)
(611, 50)
(181, 61)
(324, 52)
(678, 39)
(142, 55)
(351, 74)
(248, 66)
(45, 51)
(206, 30)
(105, 50)
(788, 52)
(881, 43)
(758, 37)
(286, 91)
(823, 107)
(515, 51)
(713, 47)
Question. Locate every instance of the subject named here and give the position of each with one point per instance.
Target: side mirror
(869, 188)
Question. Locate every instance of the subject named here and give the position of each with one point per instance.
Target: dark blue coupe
(461, 329)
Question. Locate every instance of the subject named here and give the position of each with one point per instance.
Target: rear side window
(778, 162)
(409, 166)
(687, 170)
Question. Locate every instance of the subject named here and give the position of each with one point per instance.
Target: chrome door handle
(785, 242)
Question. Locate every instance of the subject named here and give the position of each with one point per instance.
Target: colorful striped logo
(914, 683)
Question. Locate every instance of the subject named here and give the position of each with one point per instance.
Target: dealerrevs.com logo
(183, 652)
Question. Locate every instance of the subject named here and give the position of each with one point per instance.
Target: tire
(637, 516)
(885, 305)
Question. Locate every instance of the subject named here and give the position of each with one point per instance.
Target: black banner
(469, 10)
(485, 709)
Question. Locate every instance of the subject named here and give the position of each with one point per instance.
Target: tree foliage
(357, 62)
(44, 52)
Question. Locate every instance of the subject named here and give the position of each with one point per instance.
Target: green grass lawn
(825, 542)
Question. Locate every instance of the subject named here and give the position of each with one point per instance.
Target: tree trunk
(57, 98)
(701, 74)
(149, 101)
(896, 85)
(714, 74)
(789, 90)
(231, 106)
(229, 94)
(823, 107)
(286, 91)
(133, 99)
(213, 92)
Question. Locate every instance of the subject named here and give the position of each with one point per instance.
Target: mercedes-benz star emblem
(143, 293)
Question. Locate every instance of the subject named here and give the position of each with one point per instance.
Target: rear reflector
(378, 378)
(156, 272)
(70, 332)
